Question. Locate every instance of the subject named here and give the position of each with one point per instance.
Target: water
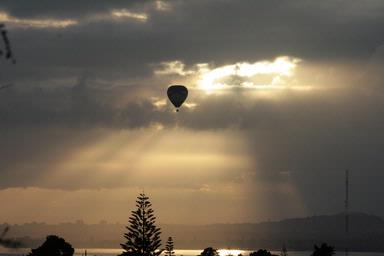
(223, 252)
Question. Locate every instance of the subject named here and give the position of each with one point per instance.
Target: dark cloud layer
(70, 82)
(60, 9)
(191, 31)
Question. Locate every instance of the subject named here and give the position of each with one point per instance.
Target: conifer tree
(169, 247)
(143, 237)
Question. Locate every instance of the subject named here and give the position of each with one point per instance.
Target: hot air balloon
(177, 94)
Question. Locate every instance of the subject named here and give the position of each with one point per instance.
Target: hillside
(366, 233)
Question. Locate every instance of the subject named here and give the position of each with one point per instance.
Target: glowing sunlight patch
(264, 75)
(38, 23)
(245, 74)
(190, 105)
(123, 13)
(162, 5)
(226, 252)
(158, 103)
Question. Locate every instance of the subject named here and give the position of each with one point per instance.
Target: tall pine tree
(143, 237)
(169, 247)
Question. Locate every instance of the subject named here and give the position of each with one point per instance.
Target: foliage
(261, 252)
(323, 250)
(143, 237)
(209, 252)
(169, 247)
(53, 246)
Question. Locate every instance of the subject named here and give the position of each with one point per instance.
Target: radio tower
(346, 211)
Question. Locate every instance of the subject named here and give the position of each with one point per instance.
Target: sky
(284, 96)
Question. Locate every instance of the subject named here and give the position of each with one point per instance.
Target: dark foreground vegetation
(53, 246)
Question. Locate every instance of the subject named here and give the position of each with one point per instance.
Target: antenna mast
(346, 210)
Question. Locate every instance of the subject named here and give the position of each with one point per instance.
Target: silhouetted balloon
(177, 94)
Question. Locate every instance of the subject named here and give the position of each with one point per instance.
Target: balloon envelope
(177, 94)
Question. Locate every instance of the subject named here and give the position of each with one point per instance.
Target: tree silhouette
(261, 252)
(209, 252)
(53, 246)
(323, 250)
(143, 237)
(169, 247)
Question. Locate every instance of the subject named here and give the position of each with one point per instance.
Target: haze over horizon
(123, 223)
(284, 96)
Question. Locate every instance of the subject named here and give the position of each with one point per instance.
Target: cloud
(39, 23)
(126, 48)
(243, 95)
(241, 74)
(57, 23)
(173, 67)
(61, 140)
(123, 13)
(76, 87)
(70, 9)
